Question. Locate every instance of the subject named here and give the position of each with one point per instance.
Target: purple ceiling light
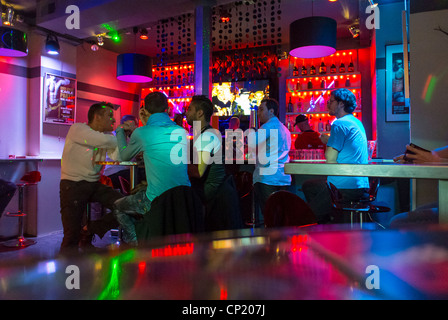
(312, 37)
(134, 67)
(13, 42)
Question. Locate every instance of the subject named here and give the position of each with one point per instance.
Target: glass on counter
(307, 154)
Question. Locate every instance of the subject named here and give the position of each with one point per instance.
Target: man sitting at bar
(269, 174)
(156, 139)
(347, 143)
(308, 138)
(84, 145)
(208, 173)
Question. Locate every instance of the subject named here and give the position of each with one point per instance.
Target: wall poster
(396, 107)
(59, 99)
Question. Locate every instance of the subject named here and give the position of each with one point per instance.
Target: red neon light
(175, 250)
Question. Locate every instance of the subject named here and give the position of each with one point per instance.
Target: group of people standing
(159, 139)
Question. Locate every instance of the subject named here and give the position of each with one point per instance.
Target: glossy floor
(323, 262)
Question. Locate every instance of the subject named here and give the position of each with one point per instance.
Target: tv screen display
(237, 98)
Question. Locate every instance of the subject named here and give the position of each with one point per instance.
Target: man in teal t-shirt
(164, 147)
(347, 144)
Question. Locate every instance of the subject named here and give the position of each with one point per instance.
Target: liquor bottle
(342, 67)
(322, 68)
(298, 86)
(299, 105)
(290, 106)
(320, 125)
(333, 68)
(351, 67)
(304, 71)
(310, 84)
(347, 82)
(312, 103)
(323, 84)
(328, 126)
(295, 71)
(312, 69)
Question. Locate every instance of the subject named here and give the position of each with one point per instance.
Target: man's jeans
(129, 209)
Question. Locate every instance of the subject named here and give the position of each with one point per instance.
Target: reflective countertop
(321, 262)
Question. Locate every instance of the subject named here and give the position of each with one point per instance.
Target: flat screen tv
(237, 98)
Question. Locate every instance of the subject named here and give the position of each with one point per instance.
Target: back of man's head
(98, 108)
(156, 102)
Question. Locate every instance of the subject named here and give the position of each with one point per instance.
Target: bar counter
(381, 169)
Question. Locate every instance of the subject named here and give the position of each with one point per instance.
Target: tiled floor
(47, 247)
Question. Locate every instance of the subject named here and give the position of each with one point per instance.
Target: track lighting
(354, 30)
(100, 40)
(143, 34)
(52, 45)
(9, 17)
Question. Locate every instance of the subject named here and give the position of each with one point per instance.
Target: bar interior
(223, 150)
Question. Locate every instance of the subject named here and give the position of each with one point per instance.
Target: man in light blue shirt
(347, 144)
(164, 147)
(273, 145)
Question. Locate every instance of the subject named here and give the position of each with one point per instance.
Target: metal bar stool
(29, 179)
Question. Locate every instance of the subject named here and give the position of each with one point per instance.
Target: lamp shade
(13, 42)
(134, 67)
(312, 37)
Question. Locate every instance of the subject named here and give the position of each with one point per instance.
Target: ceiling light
(312, 37)
(225, 16)
(134, 67)
(100, 40)
(9, 17)
(13, 42)
(52, 45)
(94, 47)
(354, 30)
(143, 34)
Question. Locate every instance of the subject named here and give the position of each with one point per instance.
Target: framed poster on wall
(396, 107)
(59, 99)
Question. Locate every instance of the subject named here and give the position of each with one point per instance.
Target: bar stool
(360, 208)
(29, 179)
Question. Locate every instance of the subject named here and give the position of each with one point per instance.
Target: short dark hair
(156, 102)
(346, 97)
(203, 103)
(127, 118)
(271, 104)
(98, 108)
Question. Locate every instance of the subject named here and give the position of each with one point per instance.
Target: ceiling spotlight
(354, 30)
(52, 45)
(94, 47)
(9, 17)
(143, 34)
(225, 16)
(372, 4)
(100, 40)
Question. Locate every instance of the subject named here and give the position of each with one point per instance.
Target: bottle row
(172, 92)
(182, 74)
(320, 122)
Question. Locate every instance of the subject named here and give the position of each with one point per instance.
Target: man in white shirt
(273, 145)
(84, 145)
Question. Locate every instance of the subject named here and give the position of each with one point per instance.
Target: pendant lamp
(134, 67)
(13, 42)
(312, 37)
